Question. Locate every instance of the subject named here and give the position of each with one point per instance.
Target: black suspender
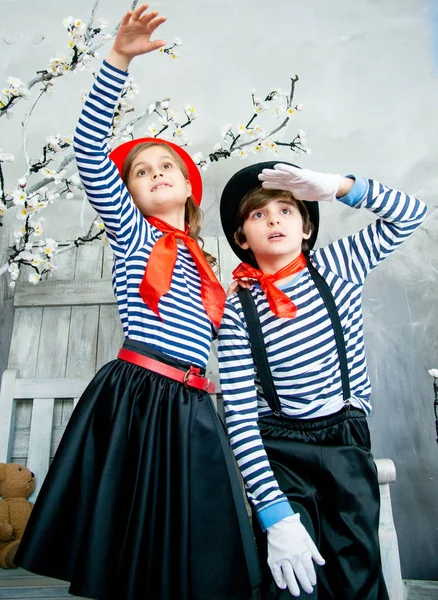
(258, 345)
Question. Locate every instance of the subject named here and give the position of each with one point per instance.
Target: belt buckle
(194, 371)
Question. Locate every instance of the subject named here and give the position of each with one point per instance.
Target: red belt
(190, 378)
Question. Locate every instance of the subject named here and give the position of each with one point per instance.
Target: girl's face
(156, 183)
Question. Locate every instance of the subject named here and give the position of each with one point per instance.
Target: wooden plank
(7, 407)
(41, 593)
(82, 342)
(52, 351)
(107, 262)
(65, 266)
(89, 260)
(38, 458)
(65, 293)
(25, 341)
(420, 590)
(227, 260)
(110, 337)
(48, 388)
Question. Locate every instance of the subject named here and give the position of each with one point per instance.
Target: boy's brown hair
(193, 214)
(259, 197)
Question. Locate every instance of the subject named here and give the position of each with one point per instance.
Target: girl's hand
(134, 36)
(238, 283)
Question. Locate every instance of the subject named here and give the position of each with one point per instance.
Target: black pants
(326, 469)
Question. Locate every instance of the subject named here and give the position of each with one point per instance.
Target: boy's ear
(243, 245)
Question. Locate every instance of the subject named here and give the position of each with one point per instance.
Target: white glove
(303, 183)
(290, 554)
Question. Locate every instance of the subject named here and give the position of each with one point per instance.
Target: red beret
(119, 154)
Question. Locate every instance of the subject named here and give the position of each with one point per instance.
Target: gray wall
(368, 80)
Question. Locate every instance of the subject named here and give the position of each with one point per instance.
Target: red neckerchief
(159, 269)
(279, 303)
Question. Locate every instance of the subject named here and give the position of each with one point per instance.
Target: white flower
(299, 107)
(242, 153)
(53, 142)
(75, 180)
(19, 197)
(177, 41)
(308, 151)
(290, 111)
(37, 229)
(153, 130)
(22, 182)
(433, 372)
(257, 148)
(174, 55)
(35, 260)
(33, 202)
(257, 100)
(278, 110)
(12, 284)
(198, 157)
(6, 157)
(51, 197)
(34, 278)
(47, 172)
(67, 22)
(22, 213)
(18, 233)
(49, 246)
(151, 108)
(99, 225)
(69, 195)
(204, 167)
(164, 104)
(302, 133)
(217, 147)
(225, 130)
(2, 209)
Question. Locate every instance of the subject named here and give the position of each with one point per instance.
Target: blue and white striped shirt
(186, 331)
(302, 351)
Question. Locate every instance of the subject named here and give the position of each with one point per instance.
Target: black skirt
(142, 500)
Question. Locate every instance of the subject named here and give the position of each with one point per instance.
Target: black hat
(236, 189)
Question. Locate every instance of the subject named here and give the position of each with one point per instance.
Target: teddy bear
(17, 483)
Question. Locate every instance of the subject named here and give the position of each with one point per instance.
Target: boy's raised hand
(304, 184)
(134, 36)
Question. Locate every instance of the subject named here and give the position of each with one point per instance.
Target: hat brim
(119, 155)
(236, 189)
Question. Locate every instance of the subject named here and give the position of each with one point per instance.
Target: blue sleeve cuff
(357, 192)
(275, 512)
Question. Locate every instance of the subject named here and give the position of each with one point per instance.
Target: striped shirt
(302, 351)
(185, 332)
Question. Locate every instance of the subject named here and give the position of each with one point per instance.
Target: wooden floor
(17, 583)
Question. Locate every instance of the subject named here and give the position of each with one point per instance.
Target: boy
(308, 470)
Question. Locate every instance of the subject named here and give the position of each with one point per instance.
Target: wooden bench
(44, 392)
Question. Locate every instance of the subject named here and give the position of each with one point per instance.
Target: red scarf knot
(157, 277)
(279, 303)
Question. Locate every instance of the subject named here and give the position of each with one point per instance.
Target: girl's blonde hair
(193, 214)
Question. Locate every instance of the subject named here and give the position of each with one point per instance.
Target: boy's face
(275, 231)
(156, 183)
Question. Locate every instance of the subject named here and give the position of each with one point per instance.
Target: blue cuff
(357, 192)
(275, 512)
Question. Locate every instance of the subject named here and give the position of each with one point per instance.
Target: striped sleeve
(99, 175)
(353, 257)
(236, 368)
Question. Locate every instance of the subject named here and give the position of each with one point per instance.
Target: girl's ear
(189, 188)
(306, 236)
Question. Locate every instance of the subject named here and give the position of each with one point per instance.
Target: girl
(142, 499)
